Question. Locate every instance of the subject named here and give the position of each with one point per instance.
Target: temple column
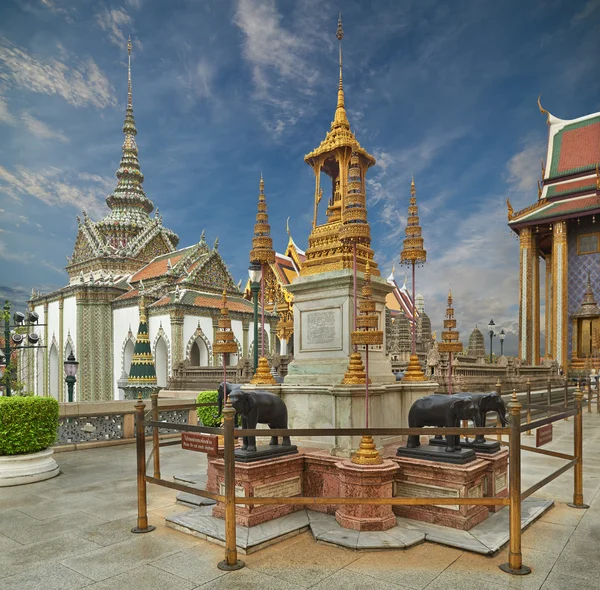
(61, 348)
(535, 293)
(176, 337)
(525, 296)
(559, 293)
(549, 335)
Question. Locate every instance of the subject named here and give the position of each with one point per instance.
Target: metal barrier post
(515, 557)
(566, 400)
(231, 561)
(578, 452)
(598, 394)
(140, 443)
(589, 384)
(528, 405)
(498, 423)
(549, 393)
(155, 451)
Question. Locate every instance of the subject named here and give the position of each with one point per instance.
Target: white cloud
(113, 21)
(588, 9)
(5, 116)
(40, 129)
(197, 79)
(54, 187)
(80, 83)
(524, 170)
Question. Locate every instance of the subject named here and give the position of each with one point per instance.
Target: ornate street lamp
(71, 366)
(502, 336)
(491, 327)
(255, 275)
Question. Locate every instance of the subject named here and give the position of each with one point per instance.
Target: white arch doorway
(161, 362)
(199, 353)
(54, 375)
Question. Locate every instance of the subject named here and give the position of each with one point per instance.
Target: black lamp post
(255, 274)
(71, 366)
(2, 363)
(491, 326)
(21, 321)
(502, 336)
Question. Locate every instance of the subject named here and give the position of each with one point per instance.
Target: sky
(225, 89)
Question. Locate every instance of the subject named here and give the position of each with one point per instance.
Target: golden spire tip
(129, 46)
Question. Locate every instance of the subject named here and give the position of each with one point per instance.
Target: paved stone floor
(74, 532)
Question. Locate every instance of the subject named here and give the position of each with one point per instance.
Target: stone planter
(16, 470)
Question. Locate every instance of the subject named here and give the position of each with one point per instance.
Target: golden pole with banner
(578, 452)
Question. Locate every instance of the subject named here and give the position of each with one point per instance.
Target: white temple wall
(70, 322)
(123, 319)
(53, 321)
(162, 355)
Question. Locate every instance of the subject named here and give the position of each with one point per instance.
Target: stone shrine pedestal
(496, 476)
(280, 477)
(420, 478)
(366, 481)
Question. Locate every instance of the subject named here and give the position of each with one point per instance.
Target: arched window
(54, 375)
(160, 362)
(199, 353)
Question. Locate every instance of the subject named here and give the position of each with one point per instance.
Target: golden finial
(413, 190)
(340, 111)
(543, 110)
(287, 227)
(142, 309)
(514, 396)
(393, 268)
(539, 189)
(511, 212)
(543, 168)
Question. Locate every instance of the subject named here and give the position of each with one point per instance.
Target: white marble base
(16, 470)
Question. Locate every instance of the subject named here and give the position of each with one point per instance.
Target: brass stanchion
(498, 422)
(528, 405)
(549, 393)
(155, 452)
(515, 558)
(231, 561)
(142, 519)
(598, 394)
(578, 452)
(589, 384)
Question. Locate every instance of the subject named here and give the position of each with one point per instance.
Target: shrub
(208, 414)
(27, 424)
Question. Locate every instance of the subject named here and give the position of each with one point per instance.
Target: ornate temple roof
(200, 299)
(571, 180)
(127, 235)
(399, 301)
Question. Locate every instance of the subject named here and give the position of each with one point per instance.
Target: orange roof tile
(128, 295)
(156, 268)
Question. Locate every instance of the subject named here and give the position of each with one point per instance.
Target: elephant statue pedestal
(418, 479)
(438, 453)
(488, 447)
(263, 452)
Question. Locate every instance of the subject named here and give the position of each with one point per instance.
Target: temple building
(561, 229)
(118, 260)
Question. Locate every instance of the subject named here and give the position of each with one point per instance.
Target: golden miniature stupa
(337, 154)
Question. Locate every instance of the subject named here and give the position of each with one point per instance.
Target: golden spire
(450, 341)
(224, 337)
(129, 93)
(262, 242)
(413, 252)
(340, 111)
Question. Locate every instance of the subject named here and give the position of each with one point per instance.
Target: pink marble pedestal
(366, 481)
(419, 478)
(265, 479)
(496, 476)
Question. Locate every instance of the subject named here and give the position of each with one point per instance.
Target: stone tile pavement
(74, 532)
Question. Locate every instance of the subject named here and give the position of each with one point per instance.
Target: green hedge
(27, 424)
(208, 415)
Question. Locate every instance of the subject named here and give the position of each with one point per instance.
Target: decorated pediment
(211, 274)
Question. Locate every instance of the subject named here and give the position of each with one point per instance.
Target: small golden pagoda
(338, 152)
(413, 254)
(224, 337)
(262, 252)
(450, 334)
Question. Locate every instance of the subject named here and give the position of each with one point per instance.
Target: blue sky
(225, 89)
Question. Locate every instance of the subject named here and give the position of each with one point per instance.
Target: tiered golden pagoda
(262, 253)
(326, 250)
(224, 337)
(413, 254)
(367, 334)
(450, 343)
(355, 230)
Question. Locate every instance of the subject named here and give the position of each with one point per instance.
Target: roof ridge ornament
(543, 110)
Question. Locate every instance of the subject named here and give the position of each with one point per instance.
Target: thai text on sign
(543, 435)
(196, 441)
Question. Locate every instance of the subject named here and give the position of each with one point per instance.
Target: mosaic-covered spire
(128, 198)
(142, 374)
(262, 242)
(413, 252)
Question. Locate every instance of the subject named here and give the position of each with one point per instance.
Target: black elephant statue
(259, 407)
(487, 402)
(443, 411)
(221, 399)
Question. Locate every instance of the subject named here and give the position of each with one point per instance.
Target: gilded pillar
(177, 337)
(560, 293)
(46, 379)
(61, 348)
(549, 334)
(535, 295)
(526, 295)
